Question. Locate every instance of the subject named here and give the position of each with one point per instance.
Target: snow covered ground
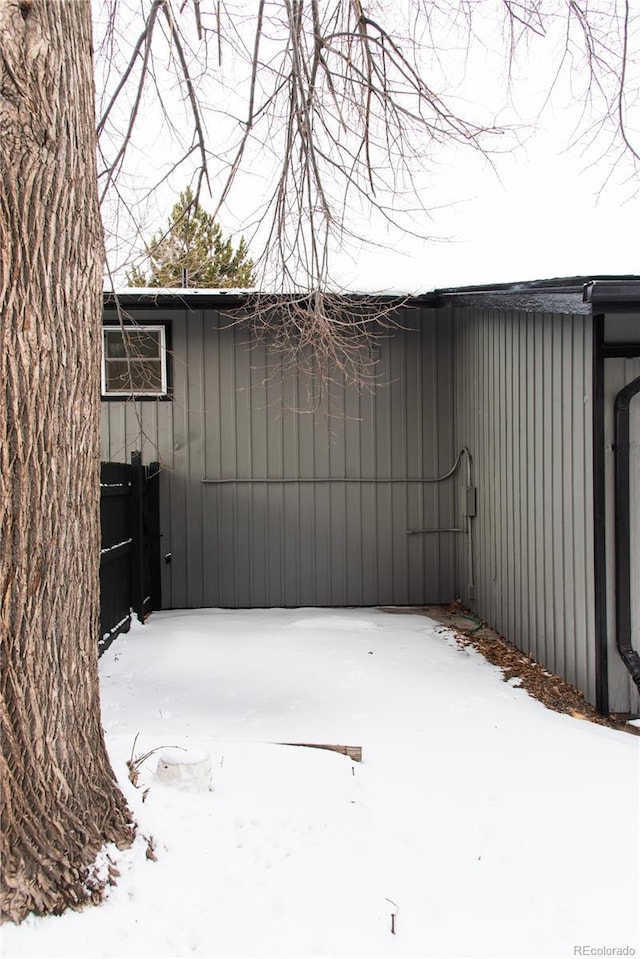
(478, 824)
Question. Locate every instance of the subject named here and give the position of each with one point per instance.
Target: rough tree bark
(61, 803)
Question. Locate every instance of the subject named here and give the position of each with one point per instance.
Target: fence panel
(129, 558)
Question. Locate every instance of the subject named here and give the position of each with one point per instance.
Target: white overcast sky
(543, 210)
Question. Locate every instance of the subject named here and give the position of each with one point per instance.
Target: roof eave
(613, 296)
(564, 295)
(178, 298)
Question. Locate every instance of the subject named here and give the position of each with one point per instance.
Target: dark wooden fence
(130, 549)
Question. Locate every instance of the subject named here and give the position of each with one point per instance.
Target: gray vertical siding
(524, 409)
(623, 693)
(306, 501)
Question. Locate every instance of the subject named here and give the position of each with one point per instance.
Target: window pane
(133, 376)
(114, 344)
(132, 342)
(143, 343)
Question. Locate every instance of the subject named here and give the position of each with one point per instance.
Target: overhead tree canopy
(193, 252)
(335, 114)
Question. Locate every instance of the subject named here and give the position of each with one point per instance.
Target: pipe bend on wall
(622, 519)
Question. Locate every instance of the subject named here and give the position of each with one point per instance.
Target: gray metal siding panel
(128, 427)
(195, 458)
(447, 511)
(623, 693)
(179, 490)
(211, 513)
(240, 413)
(335, 543)
(524, 409)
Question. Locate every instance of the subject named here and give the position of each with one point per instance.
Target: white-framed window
(134, 361)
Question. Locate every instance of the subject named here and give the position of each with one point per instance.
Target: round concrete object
(188, 769)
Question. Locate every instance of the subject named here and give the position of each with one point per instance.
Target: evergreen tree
(193, 242)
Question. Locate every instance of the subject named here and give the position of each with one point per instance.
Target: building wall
(146, 426)
(273, 496)
(623, 693)
(524, 406)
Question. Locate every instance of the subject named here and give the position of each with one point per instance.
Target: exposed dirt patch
(547, 688)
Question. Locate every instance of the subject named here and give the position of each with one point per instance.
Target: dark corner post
(137, 535)
(154, 534)
(599, 519)
(622, 440)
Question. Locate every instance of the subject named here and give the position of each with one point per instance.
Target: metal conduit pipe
(469, 510)
(622, 518)
(469, 514)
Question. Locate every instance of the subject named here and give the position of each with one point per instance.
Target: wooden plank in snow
(353, 752)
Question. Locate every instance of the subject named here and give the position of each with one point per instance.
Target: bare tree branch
(342, 111)
(144, 38)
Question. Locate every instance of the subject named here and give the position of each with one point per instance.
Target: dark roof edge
(524, 301)
(613, 295)
(176, 299)
(549, 285)
(574, 294)
(164, 299)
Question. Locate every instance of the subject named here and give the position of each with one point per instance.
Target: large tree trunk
(61, 803)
